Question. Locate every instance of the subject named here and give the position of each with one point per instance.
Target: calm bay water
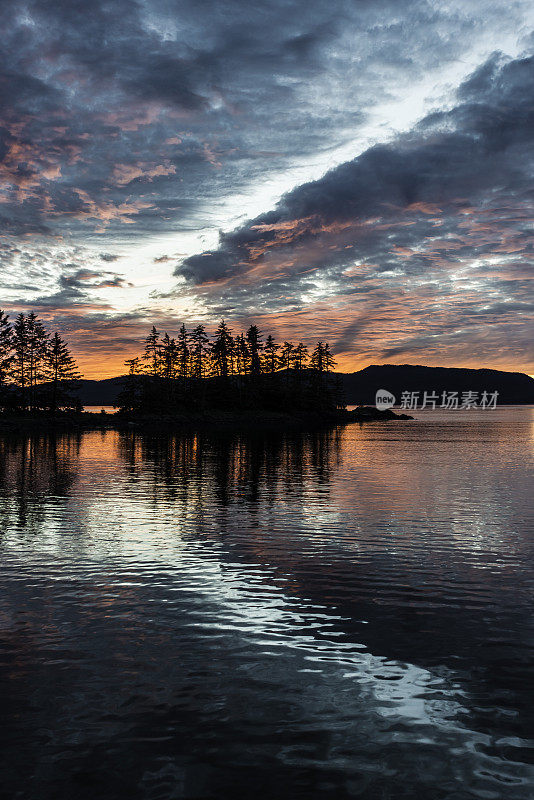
(345, 613)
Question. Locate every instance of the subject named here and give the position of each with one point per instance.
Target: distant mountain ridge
(360, 387)
(100, 393)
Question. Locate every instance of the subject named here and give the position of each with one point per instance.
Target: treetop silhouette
(228, 371)
(37, 370)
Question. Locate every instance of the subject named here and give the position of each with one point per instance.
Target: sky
(359, 172)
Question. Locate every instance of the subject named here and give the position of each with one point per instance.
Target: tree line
(227, 369)
(194, 355)
(37, 370)
(192, 370)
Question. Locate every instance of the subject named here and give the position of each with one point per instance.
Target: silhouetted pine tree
(242, 355)
(21, 357)
(183, 352)
(222, 350)
(322, 359)
(168, 358)
(152, 352)
(37, 338)
(6, 352)
(286, 358)
(63, 372)
(254, 347)
(322, 363)
(299, 356)
(271, 355)
(199, 351)
(329, 360)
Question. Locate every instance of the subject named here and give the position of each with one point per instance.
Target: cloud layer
(436, 224)
(128, 123)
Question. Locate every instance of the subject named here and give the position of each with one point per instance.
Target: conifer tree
(300, 356)
(317, 358)
(286, 358)
(171, 366)
(152, 352)
(6, 348)
(21, 356)
(322, 359)
(329, 360)
(255, 347)
(199, 351)
(37, 361)
(222, 349)
(63, 371)
(134, 365)
(168, 358)
(271, 354)
(183, 352)
(242, 355)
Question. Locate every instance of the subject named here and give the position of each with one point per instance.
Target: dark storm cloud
(148, 114)
(474, 158)
(84, 278)
(101, 106)
(430, 233)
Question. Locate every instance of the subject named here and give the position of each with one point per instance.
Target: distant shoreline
(221, 420)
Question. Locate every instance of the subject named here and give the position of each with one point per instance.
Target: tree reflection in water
(34, 467)
(232, 467)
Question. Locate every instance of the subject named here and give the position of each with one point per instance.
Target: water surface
(344, 613)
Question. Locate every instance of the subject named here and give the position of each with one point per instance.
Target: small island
(226, 381)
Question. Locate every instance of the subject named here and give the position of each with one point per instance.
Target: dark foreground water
(330, 615)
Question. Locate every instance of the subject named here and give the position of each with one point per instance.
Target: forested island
(227, 378)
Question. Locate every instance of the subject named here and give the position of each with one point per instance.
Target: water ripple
(337, 614)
